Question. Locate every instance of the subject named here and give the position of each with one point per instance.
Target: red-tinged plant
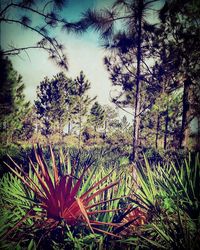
(131, 219)
(58, 198)
(137, 214)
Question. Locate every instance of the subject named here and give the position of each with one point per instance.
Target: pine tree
(54, 104)
(181, 33)
(110, 119)
(136, 36)
(97, 114)
(83, 102)
(13, 106)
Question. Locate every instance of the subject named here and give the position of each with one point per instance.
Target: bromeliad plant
(64, 197)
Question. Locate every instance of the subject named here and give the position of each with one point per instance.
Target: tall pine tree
(13, 106)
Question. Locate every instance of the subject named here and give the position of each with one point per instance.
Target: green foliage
(161, 210)
(171, 198)
(45, 200)
(180, 32)
(83, 102)
(96, 115)
(17, 152)
(16, 200)
(82, 99)
(54, 104)
(13, 106)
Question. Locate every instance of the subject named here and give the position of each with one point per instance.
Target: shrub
(170, 196)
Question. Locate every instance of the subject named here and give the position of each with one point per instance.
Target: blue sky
(83, 53)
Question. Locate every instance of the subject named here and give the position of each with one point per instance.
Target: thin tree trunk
(69, 127)
(80, 125)
(80, 128)
(136, 119)
(166, 127)
(185, 106)
(157, 129)
(60, 131)
(198, 135)
(105, 129)
(47, 138)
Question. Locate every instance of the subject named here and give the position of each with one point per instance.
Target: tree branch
(39, 13)
(120, 106)
(41, 34)
(7, 7)
(147, 67)
(129, 70)
(16, 51)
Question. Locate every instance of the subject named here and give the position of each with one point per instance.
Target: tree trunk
(60, 131)
(157, 129)
(198, 135)
(80, 125)
(166, 127)
(69, 127)
(80, 128)
(105, 129)
(183, 133)
(136, 119)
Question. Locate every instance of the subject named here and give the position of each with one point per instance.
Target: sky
(83, 53)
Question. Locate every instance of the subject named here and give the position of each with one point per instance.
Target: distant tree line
(63, 111)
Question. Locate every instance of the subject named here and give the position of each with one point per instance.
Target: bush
(170, 195)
